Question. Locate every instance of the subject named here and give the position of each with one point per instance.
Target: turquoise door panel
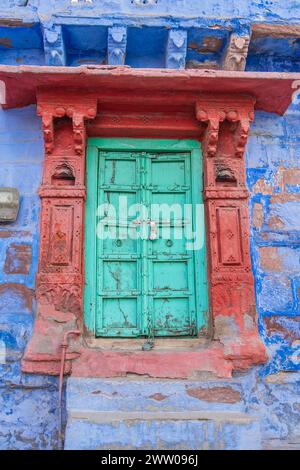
(157, 283)
(119, 294)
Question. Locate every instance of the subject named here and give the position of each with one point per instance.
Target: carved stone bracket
(236, 54)
(116, 45)
(58, 105)
(213, 112)
(54, 47)
(176, 49)
(211, 136)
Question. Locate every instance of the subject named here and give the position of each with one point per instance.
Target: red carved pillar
(59, 280)
(232, 299)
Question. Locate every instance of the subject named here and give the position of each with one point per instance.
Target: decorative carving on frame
(176, 49)
(216, 111)
(236, 54)
(213, 118)
(63, 175)
(224, 174)
(64, 298)
(55, 54)
(116, 45)
(59, 106)
(227, 122)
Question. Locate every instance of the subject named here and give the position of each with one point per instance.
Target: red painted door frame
(221, 123)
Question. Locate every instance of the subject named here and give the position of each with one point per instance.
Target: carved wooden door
(149, 270)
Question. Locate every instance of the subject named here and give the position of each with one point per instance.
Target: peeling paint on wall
(28, 408)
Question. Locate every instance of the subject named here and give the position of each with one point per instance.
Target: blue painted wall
(66, 32)
(273, 171)
(28, 412)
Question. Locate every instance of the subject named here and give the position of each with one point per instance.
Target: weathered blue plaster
(272, 161)
(265, 415)
(58, 32)
(219, 425)
(28, 404)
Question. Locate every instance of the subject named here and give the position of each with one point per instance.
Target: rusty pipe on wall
(64, 347)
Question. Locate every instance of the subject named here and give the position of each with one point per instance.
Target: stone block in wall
(158, 415)
(256, 152)
(204, 434)
(291, 180)
(284, 215)
(269, 125)
(263, 186)
(279, 153)
(280, 259)
(290, 259)
(282, 328)
(14, 334)
(275, 294)
(28, 421)
(276, 400)
(269, 259)
(257, 215)
(291, 122)
(15, 298)
(28, 216)
(18, 259)
(259, 181)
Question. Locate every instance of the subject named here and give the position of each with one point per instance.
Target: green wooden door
(140, 273)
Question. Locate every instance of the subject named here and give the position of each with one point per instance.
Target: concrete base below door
(158, 414)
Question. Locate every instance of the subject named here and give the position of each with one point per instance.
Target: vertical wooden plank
(201, 283)
(90, 294)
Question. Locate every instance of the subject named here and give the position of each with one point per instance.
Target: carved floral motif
(66, 298)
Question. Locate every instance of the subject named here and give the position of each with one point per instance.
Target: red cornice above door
(272, 91)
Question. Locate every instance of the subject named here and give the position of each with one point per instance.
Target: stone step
(157, 414)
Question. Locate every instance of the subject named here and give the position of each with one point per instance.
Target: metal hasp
(9, 204)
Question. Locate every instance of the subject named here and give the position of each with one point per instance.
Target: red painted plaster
(272, 90)
(217, 359)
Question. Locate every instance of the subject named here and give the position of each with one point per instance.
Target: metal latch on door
(151, 223)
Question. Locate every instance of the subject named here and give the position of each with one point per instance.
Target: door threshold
(135, 344)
